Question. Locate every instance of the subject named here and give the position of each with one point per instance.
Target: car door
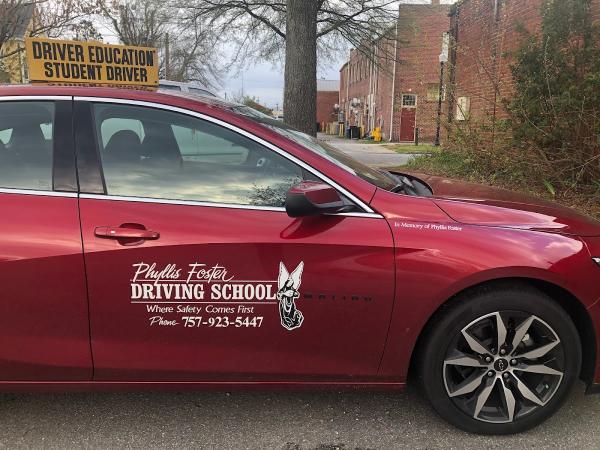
(195, 271)
(44, 326)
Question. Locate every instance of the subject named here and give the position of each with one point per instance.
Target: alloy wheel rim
(503, 366)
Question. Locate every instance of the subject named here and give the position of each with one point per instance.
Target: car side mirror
(312, 198)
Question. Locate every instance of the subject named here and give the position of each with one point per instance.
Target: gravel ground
(280, 420)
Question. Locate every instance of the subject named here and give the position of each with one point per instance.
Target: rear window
(26, 141)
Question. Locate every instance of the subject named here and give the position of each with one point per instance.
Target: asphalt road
(370, 154)
(280, 420)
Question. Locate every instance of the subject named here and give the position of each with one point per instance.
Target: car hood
(476, 204)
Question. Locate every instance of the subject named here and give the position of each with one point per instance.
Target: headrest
(124, 146)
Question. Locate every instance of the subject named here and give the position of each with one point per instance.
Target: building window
(433, 92)
(409, 100)
(463, 108)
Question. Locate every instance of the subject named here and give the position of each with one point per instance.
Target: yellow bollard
(377, 137)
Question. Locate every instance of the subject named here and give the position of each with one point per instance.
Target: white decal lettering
(168, 290)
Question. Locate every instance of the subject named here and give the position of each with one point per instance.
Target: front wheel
(500, 361)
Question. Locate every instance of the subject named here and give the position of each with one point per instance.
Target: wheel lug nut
(488, 359)
(505, 375)
(503, 352)
(513, 362)
(490, 373)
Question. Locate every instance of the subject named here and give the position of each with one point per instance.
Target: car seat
(123, 147)
(28, 144)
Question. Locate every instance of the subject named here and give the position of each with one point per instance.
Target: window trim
(410, 95)
(367, 211)
(18, 191)
(64, 164)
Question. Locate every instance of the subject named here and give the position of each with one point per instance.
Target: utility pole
(396, 38)
(167, 58)
(443, 61)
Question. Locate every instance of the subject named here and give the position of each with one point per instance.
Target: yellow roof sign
(92, 63)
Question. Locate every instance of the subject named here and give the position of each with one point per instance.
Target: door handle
(126, 233)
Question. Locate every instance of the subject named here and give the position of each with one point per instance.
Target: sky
(265, 82)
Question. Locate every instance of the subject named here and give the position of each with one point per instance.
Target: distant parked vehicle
(194, 88)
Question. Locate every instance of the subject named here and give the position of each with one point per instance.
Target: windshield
(334, 155)
(339, 158)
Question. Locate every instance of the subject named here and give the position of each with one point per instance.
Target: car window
(5, 136)
(26, 140)
(152, 153)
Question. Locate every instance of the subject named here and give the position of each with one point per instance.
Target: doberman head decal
(287, 294)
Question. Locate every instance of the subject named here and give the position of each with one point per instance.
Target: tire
(469, 379)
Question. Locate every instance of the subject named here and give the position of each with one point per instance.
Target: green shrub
(556, 109)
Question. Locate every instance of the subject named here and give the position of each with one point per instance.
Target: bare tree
(54, 19)
(137, 22)
(22, 18)
(186, 46)
(264, 29)
(192, 54)
(10, 20)
(85, 30)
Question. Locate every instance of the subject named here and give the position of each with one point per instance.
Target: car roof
(155, 96)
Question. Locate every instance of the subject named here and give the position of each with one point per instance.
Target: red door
(407, 125)
(44, 326)
(186, 290)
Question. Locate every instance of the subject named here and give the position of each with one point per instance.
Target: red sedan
(158, 241)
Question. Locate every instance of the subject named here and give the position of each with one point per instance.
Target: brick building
(485, 36)
(396, 87)
(328, 96)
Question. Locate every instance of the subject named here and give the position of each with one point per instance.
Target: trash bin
(354, 132)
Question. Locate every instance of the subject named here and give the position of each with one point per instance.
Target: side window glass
(199, 146)
(26, 141)
(151, 153)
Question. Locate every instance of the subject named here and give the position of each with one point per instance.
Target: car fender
(433, 267)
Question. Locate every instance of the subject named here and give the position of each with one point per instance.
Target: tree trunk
(300, 94)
